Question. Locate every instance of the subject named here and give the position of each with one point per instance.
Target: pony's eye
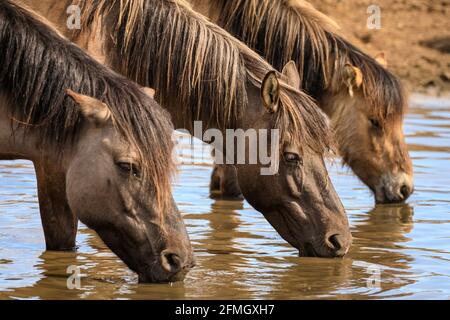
(293, 158)
(375, 123)
(129, 168)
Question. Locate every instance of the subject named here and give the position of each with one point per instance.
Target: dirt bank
(414, 34)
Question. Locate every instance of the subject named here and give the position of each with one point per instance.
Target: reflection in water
(379, 239)
(238, 253)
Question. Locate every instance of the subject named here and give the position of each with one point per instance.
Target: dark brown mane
(196, 66)
(38, 66)
(287, 30)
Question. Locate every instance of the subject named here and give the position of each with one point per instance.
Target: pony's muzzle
(173, 262)
(394, 189)
(406, 191)
(333, 246)
(338, 245)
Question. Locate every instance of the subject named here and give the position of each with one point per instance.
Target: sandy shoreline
(414, 34)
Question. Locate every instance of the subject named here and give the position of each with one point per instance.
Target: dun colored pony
(365, 102)
(100, 145)
(201, 73)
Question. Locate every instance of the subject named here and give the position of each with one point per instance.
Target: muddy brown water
(398, 252)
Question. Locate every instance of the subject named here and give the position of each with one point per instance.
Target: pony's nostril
(171, 261)
(336, 241)
(405, 191)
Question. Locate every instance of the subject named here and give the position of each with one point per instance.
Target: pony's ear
(150, 92)
(92, 109)
(353, 78)
(381, 59)
(270, 92)
(291, 72)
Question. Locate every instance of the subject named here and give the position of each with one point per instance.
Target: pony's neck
(248, 114)
(92, 41)
(17, 142)
(206, 8)
(14, 144)
(54, 11)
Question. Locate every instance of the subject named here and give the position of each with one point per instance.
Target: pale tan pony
(201, 72)
(365, 102)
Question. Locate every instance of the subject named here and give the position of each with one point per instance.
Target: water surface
(238, 253)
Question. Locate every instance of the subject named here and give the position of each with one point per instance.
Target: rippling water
(239, 255)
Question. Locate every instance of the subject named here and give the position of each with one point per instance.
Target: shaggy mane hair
(285, 30)
(197, 66)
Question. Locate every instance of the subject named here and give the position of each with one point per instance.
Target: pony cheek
(88, 195)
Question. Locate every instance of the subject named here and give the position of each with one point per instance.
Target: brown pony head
(109, 139)
(365, 101)
(367, 114)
